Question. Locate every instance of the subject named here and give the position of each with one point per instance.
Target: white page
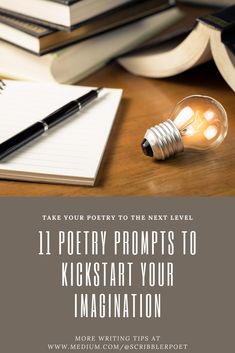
(71, 149)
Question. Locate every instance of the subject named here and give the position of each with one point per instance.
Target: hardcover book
(65, 13)
(219, 3)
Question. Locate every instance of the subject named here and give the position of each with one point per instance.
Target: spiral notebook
(71, 152)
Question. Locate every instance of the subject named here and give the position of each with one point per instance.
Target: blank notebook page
(72, 151)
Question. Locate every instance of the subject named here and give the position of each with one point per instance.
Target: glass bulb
(197, 123)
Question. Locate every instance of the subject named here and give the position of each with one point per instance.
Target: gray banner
(112, 274)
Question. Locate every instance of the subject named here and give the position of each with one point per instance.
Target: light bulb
(197, 123)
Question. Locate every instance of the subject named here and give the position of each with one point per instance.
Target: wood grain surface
(125, 170)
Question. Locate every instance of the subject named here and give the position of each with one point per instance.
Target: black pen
(22, 138)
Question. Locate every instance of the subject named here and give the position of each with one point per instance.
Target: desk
(125, 170)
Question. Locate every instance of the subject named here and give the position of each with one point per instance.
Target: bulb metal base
(165, 140)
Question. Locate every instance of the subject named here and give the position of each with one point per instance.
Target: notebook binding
(2, 86)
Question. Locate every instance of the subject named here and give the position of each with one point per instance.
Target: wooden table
(125, 170)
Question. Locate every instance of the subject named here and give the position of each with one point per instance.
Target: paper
(72, 150)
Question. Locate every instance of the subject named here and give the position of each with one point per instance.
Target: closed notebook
(71, 152)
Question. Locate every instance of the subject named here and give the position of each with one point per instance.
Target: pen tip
(99, 89)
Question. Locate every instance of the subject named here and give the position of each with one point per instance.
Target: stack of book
(66, 40)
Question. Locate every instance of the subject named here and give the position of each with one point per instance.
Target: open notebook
(69, 153)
